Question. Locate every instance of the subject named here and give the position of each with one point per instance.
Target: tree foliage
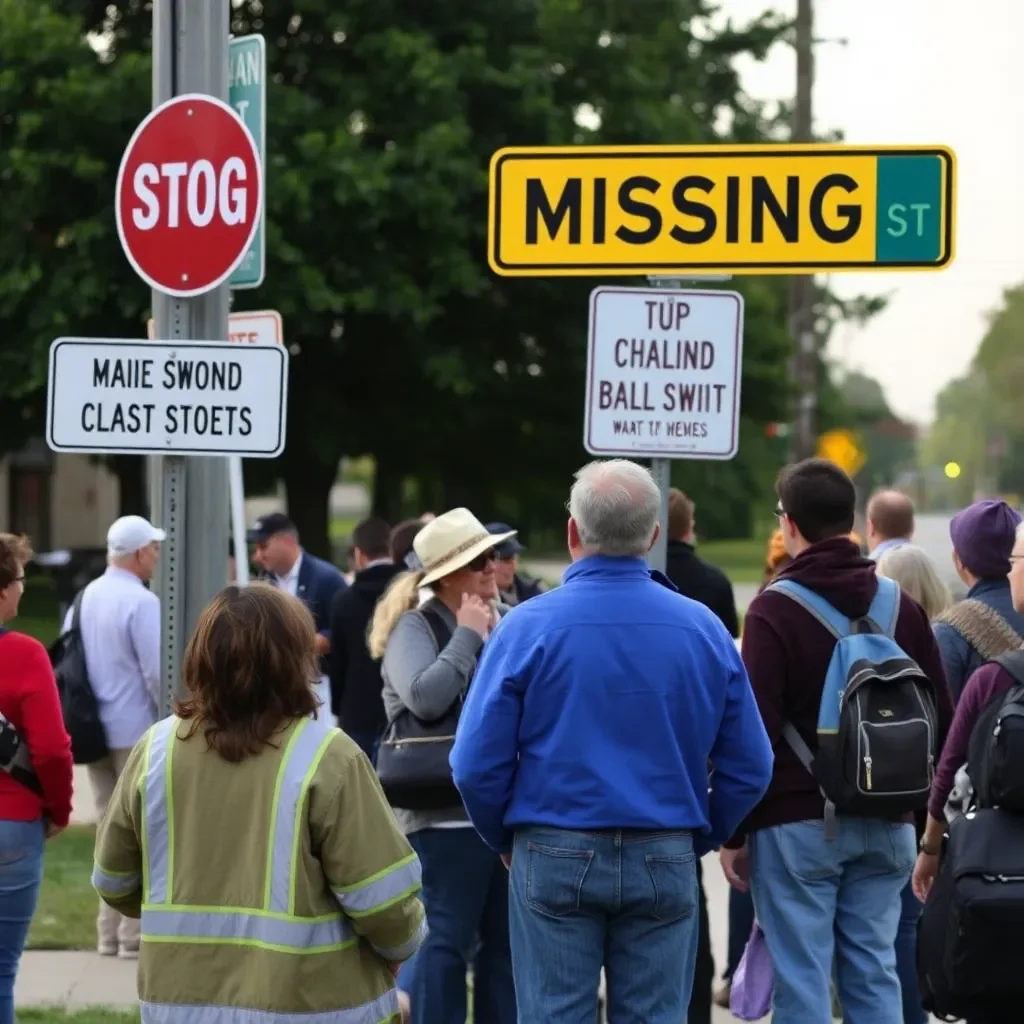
(382, 117)
(979, 421)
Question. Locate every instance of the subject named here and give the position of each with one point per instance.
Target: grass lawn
(66, 916)
(58, 1015)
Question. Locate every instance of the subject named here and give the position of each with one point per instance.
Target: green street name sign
(247, 95)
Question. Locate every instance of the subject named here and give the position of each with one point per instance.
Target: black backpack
(995, 753)
(77, 700)
(968, 935)
(877, 737)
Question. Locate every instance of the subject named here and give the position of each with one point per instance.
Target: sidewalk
(80, 980)
(75, 980)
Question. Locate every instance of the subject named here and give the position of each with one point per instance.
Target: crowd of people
(524, 781)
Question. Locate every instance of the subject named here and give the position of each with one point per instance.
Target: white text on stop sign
(207, 193)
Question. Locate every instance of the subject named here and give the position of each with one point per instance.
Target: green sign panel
(247, 95)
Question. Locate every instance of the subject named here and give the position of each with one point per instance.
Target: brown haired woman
(255, 842)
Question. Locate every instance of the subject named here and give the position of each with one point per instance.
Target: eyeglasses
(480, 562)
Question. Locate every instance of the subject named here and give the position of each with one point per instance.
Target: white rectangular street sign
(257, 327)
(167, 397)
(663, 373)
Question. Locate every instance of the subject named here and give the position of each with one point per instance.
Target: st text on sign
(663, 373)
(162, 397)
(258, 327)
(247, 96)
(782, 209)
(189, 195)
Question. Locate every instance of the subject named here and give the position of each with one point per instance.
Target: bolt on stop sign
(189, 195)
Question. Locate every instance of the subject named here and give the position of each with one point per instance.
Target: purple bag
(752, 984)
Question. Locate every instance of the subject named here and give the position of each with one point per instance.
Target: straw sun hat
(452, 541)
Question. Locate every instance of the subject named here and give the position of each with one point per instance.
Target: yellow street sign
(778, 209)
(840, 447)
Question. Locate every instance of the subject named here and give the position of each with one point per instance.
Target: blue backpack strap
(838, 625)
(885, 608)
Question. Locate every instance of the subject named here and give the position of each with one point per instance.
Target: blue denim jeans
(465, 891)
(906, 958)
(21, 872)
(820, 900)
(626, 901)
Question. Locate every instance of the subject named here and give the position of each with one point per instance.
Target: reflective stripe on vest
(381, 1009)
(274, 926)
(115, 883)
(381, 890)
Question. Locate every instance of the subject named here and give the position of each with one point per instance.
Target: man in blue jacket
(582, 757)
(312, 580)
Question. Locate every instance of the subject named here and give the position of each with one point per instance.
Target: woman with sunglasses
(429, 653)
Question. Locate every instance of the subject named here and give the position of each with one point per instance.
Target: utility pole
(801, 294)
(189, 495)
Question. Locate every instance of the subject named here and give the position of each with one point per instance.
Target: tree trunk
(308, 487)
(130, 471)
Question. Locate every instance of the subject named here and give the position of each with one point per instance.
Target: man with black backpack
(850, 686)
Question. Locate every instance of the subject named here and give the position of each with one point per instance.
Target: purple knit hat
(983, 535)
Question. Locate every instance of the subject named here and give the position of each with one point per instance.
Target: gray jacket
(426, 681)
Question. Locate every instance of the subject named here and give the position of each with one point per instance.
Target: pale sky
(928, 72)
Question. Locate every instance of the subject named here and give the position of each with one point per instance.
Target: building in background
(59, 501)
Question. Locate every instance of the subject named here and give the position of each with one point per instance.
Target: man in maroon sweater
(820, 899)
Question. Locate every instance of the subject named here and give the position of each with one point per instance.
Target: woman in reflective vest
(255, 842)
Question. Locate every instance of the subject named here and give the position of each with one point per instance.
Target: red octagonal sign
(189, 194)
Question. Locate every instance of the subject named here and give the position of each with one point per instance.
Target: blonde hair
(915, 572)
(401, 596)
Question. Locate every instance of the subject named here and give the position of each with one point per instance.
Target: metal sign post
(190, 55)
(661, 469)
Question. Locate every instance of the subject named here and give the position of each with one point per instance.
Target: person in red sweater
(29, 701)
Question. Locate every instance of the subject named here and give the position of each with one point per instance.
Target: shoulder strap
(3, 629)
(442, 634)
(1011, 661)
(838, 625)
(76, 608)
(885, 607)
(982, 627)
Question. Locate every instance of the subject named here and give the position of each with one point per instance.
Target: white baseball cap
(130, 534)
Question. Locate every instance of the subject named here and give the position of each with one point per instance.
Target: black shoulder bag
(412, 761)
(14, 756)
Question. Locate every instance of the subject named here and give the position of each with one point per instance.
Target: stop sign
(189, 195)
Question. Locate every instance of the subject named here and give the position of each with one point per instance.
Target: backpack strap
(442, 634)
(885, 606)
(982, 627)
(814, 604)
(1011, 661)
(76, 610)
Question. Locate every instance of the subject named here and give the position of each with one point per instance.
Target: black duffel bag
(412, 759)
(968, 935)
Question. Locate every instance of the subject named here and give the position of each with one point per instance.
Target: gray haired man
(582, 757)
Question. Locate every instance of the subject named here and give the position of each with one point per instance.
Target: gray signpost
(190, 55)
